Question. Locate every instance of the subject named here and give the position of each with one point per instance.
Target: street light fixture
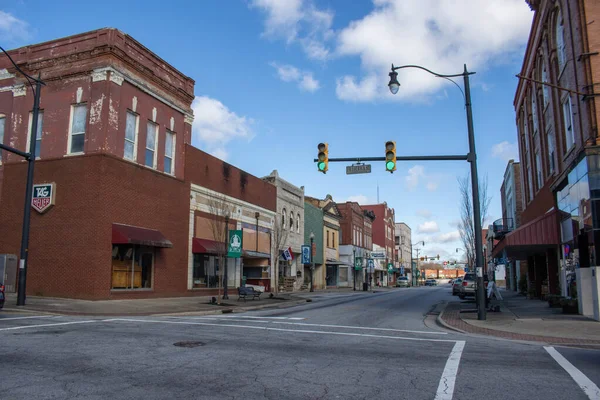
(394, 86)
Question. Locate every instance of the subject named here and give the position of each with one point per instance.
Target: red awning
(127, 234)
(540, 234)
(205, 246)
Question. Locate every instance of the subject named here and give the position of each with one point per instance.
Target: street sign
(466, 269)
(235, 244)
(371, 265)
(401, 270)
(305, 254)
(390, 267)
(358, 169)
(43, 197)
(377, 255)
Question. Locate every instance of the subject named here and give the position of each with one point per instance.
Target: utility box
(8, 272)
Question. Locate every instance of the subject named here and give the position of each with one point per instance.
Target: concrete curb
(443, 323)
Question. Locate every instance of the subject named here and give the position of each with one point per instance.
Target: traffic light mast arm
(400, 158)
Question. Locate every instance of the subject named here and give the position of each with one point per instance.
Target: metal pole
(312, 264)
(28, 193)
(226, 259)
(481, 311)
(354, 268)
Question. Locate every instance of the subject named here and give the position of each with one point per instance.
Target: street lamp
(354, 267)
(394, 86)
(413, 272)
(30, 157)
(312, 262)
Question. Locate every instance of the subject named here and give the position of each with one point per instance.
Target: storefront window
(206, 271)
(132, 267)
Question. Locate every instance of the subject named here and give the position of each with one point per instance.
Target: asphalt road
(349, 346)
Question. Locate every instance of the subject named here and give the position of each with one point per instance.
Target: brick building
(384, 236)
(114, 139)
(403, 248)
(356, 238)
(560, 159)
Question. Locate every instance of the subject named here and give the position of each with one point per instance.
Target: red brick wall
(70, 245)
(212, 173)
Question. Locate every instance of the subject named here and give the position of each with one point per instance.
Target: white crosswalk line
(446, 387)
(46, 325)
(591, 390)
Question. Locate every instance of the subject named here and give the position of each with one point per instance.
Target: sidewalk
(523, 319)
(198, 305)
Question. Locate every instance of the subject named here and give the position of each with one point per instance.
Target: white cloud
(359, 198)
(438, 35)
(13, 30)
(447, 237)
(505, 151)
(414, 175)
(428, 227)
(304, 79)
(298, 21)
(215, 125)
(424, 213)
(432, 186)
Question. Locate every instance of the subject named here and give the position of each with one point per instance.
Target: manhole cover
(188, 344)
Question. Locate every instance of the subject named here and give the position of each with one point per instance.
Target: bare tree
(279, 238)
(467, 222)
(221, 211)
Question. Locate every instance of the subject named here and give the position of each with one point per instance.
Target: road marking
(446, 387)
(589, 387)
(265, 328)
(46, 325)
(37, 316)
(362, 327)
(259, 317)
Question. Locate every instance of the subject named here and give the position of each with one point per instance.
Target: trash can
(365, 286)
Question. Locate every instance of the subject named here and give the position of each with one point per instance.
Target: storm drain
(188, 344)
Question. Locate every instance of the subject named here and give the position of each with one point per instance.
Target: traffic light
(323, 157)
(390, 156)
(438, 257)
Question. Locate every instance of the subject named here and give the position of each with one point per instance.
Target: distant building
(403, 248)
(384, 236)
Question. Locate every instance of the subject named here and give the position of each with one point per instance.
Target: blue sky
(276, 77)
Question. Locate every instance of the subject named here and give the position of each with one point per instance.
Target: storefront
(133, 253)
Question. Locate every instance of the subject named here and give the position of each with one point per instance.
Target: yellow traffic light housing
(323, 157)
(390, 156)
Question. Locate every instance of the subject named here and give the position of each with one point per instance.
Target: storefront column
(552, 261)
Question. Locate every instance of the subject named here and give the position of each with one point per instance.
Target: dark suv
(469, 285)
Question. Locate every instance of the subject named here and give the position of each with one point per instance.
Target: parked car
(430, 282)
(402, 281)
(456, 286)
(2, 296)
(469, 285)
(451, 281)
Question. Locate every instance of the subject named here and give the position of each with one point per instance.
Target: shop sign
(43, 197)
(358, 264)
(235, 244)
(305, 254)
(377, 254)
(390, 267)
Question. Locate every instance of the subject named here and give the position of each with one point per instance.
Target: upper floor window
(38, 133)
(77, 128)
(298, 223)
(151, 136)
(534, 113)
(397, 240)
(333, 240)
(560, 42)
(131, 136)
(551, 151)
(2, 124)
(327, 238)
(545, 88)
(170, 153)
(567, 111)
(538, 167)
(283, 216)
(291, 221)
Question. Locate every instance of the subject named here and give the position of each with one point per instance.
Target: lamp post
(394, 86)
(30, 157)
(354, 267)
(413, 271)
(312, 261)
(225, 259)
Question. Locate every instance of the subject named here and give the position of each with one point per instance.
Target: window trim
(29, 127)
(172, 157)
(156, 138)
(298, 223)
(135, 135)
(566, 102)
(70, 136)
(284, 218)
(561, 54)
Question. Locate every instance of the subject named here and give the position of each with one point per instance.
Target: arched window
(291, 220)
(298, 223)
(534, 112)
(560, 41)
(545, 88)
(283, 216)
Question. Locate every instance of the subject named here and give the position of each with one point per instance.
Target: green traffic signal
(389, 166)
(321, 166)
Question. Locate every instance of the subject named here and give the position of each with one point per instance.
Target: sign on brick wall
(43, 197)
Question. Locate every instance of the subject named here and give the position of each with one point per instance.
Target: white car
(402, 281)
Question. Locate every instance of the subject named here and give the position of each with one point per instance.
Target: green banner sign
(390, 268)
(234, 250)
(358, 263)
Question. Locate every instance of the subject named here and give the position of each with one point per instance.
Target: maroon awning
(206, 246)
(127, 234)
(540, 234)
